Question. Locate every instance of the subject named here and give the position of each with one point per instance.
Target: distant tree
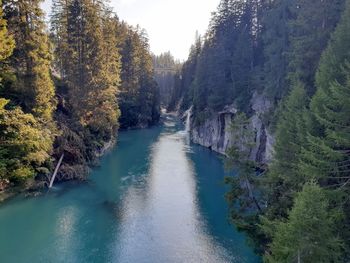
(227, 69)
(276, 39)
(183, 92)
(165, 68)
(310, 29)
(139, 93)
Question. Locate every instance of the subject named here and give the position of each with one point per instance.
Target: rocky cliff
(215, 134)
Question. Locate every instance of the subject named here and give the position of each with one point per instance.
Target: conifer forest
(266, 89)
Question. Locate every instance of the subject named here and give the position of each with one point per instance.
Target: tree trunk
(56, 170)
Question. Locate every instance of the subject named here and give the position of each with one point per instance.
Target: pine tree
(129, 90)
(241, 197)
(31, 59)
(59, 34)
(327, 152)
(310, 30)
(228, 68)
(105, 107)
(276, 47)
(309, 234)
(24, 144)
(185, 90)
(283, 179)
(165, 67)
(26, 112)
(139, 96)
(7, 43)
(84, 32)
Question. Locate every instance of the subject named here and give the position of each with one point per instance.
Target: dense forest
(297, 54)
(66, 91)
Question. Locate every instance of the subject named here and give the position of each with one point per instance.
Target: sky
(171, 24)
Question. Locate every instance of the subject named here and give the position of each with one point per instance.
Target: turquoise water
(155, 198)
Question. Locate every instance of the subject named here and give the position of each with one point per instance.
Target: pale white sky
(170, 24)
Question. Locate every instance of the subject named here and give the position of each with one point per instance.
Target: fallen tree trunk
(56, 170)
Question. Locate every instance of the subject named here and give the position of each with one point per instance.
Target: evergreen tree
(59, 34)
(24, 144)
(309, 234)
(283, 179)
(165, 68)
(242, 195)
(7, 43)
(310, 29)
(31, 60)
(84, 32)
(327, 152)
(228, 67)
(276, 46)
(315, 148)
(102, 65)
(27, 134)
(139, 94)
(183, 93)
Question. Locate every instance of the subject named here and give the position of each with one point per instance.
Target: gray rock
(215, 134)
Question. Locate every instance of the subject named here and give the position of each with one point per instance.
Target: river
(155, 198)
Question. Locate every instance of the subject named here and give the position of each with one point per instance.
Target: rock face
(215, 134)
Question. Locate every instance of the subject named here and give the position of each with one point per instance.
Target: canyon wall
(215, 132)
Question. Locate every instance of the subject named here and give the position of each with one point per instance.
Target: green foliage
(88, 64)
(309, 234)
(242, 195)
(183, 92)
(24, 145)
(311, 26)
(223, 67)
(93, 70)
(283, 179)
(7, 43)
(31, 60)
(27, 128)
(104, 77)
(139, 93)
(78, 117)
(313, 144)
(256, 45)
(276, 47)
(326, 153)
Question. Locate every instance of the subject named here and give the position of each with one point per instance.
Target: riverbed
(154, 198)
